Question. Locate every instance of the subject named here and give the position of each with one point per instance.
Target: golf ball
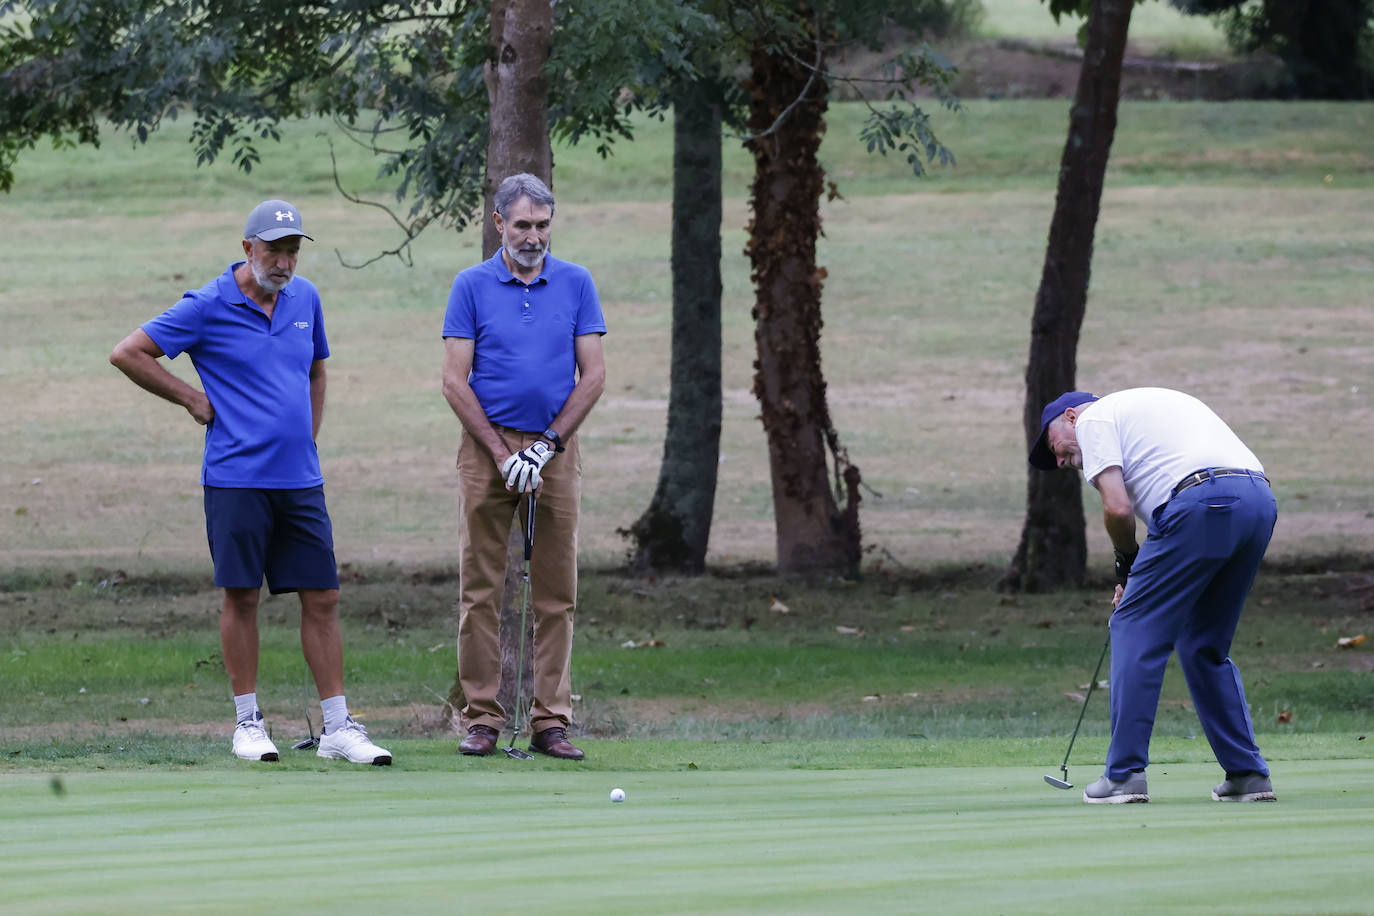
(617, 795)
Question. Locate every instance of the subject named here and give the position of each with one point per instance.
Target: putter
(1064, 767)
(307, 743)
(511, 750)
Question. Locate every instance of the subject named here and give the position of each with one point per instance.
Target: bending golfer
(1165, 457)
(522, 369)
(256, 338)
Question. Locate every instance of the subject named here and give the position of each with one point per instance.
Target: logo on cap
(285, 214)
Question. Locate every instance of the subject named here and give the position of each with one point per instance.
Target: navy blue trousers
(1185, 593)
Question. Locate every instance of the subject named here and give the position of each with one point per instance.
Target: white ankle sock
(335, 712)
(246, 706)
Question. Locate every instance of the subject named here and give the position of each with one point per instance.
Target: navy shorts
(282, 534)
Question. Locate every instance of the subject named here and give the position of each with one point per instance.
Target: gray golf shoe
(1252, 787)
(1106, 791)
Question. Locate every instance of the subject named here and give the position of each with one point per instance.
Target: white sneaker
(352, 744)
(251, 741)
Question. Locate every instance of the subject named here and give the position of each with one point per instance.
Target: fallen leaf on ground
(871, 698)
(1350, 642)
(1285, 717)
(849, 631)
(1076, 697)
(777, 607)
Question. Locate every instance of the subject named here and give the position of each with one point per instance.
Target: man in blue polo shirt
(256, 338)
(522, 369)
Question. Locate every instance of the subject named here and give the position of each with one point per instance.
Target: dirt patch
(1017, 69)
(1009, 68)
(622, 717)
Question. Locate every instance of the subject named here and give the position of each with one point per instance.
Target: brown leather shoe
(554, 742)
(480, 742)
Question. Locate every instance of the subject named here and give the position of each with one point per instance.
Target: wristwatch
(554, 438)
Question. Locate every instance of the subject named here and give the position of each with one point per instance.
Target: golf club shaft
(524, 615)
(312, 741)
(1091, 684)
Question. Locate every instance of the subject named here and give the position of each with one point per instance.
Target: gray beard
(267, 284)
(528, 259)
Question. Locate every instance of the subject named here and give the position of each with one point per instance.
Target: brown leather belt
(1207, 474)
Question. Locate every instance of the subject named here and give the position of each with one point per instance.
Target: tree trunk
(814, 536)
(672, 533)
(517, 141)
(518, 93)
(1053, 549)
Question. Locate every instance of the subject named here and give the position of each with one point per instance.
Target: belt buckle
(1190, 481)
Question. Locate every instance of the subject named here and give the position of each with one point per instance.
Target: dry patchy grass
(1254, 298)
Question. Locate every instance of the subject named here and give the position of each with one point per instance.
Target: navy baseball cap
(1040, 455)
(274, 219)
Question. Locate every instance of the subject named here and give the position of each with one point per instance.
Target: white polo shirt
(1157, 437)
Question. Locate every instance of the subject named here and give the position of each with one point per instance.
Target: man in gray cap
(255, 336)
(1165, 458)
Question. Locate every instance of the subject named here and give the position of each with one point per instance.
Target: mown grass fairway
(773, 840)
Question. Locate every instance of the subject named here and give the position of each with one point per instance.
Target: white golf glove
(522, 469)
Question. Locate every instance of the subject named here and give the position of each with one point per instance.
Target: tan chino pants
(485, 511)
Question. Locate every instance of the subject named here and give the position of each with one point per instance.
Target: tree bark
(518, 92)
(1053, 548)
(814, 535)
(517, 141)
(673, 532)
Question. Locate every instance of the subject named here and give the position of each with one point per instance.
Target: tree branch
(412, 230)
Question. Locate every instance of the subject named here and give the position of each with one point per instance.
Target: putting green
(927, 839)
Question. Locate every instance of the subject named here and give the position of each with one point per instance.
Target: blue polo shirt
(523, 365)
(256, 373)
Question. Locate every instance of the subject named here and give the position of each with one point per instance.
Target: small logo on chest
(301, 324)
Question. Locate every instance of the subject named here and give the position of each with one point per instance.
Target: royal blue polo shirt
(523, 365)
(256, 373)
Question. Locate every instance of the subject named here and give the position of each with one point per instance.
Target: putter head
(1058, 783)
(306, 744)
(514, 752)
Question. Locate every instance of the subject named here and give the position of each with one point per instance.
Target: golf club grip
(529, 526)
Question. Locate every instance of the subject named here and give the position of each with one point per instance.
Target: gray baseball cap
(274, 219)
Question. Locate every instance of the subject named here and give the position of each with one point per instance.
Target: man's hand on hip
(201, 409)
(522, 469)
